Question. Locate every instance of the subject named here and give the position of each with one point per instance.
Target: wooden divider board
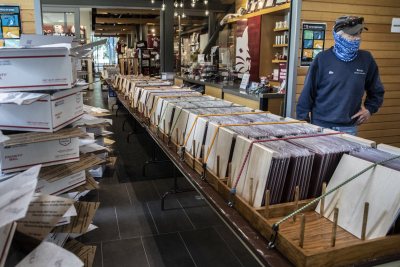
(222, 148)
(136, 97)
(239, 153)
(257, 174)
(163, 102)
(198, 132)
(147, 96)
(162, 91)
(380, 187)
(222, 145)
(170, 113)
(223, 142)
(389, 149)
(180, 121)
(169, 94)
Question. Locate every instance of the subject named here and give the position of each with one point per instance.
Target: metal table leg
(175, 190)
(153, 160)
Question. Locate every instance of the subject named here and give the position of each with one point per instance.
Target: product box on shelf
(39, 68)
(40, 112)
(24, 150)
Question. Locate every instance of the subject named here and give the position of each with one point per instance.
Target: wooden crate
(317, 250)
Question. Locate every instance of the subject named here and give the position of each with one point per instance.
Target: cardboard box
(22, 151)
(41, 68)
(44, 113)
(55, 180)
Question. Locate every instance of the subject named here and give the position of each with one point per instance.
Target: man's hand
(362, 116)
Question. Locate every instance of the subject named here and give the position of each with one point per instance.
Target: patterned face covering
(344, 49)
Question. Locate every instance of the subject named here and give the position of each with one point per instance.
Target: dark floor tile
(203, 217)
(106, 221)
(167, 250)
(244, 256)
(172, 219)
(208, 249)
(111, 195)
(121, 253)
(142, 191)
(191, 200)
(135, 221)
(166, 184)
(110, 176)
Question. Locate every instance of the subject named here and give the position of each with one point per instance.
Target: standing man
(337, 80)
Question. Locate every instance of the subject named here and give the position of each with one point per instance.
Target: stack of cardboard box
(40, 206)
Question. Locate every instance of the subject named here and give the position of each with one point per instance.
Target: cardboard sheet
(80, 223)
(44, 212)
(49, 255)
(85, 253)
(15, 195)
(27, 138)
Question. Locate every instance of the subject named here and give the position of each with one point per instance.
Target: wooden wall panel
(384, 127)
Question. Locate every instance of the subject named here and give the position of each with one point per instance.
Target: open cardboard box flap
(27, 138)
(27, 98)
(60, 171)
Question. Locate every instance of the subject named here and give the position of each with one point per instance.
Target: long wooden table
(253, 241)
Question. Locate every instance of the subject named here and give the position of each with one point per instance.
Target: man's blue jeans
(348, 129)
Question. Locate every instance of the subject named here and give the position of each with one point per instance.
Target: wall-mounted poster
(248, 47)
(10, 24)
(313, 41)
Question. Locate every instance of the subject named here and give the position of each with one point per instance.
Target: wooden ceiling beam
(105, 11)
(112, 32)
(129, 27)
(100, 20)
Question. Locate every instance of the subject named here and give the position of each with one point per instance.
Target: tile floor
(133, 231)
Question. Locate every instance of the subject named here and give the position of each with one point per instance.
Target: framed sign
(10, 24)
(313, 41)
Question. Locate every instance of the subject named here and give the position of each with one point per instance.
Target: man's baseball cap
(349, 24)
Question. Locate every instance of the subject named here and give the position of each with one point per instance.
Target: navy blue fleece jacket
(333, 89)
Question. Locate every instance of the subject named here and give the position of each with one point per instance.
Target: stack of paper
(15, 195)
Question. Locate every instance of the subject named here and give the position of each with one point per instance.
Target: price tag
(245, 81)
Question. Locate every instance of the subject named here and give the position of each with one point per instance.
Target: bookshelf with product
(274, 32)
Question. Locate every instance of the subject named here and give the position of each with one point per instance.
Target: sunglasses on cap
(350, 24)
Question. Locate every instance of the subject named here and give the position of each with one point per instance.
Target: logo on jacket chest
(359, 72)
